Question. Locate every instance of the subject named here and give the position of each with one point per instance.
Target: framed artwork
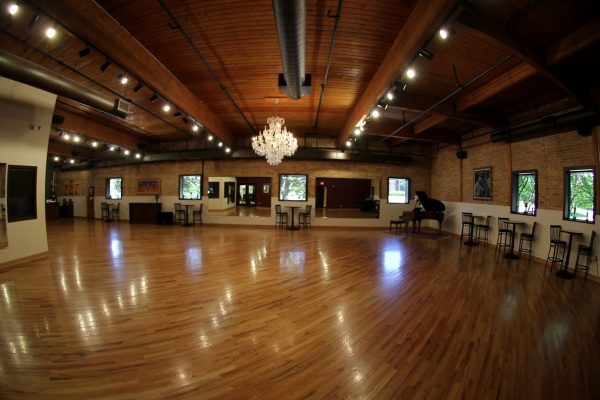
(148, 186)
(482, 183)
(266, 188)
(293, 187)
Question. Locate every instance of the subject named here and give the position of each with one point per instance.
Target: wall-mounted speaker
(461, 154)
(584, 129)
(57, 119)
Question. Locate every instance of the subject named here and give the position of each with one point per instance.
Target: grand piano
(432, 209)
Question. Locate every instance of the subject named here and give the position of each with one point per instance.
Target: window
(524, 192)
(580, 195)
(190, 187)
(114, 188)
(293, 187)
(398, 190)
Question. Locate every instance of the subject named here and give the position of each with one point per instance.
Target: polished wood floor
(146, 312)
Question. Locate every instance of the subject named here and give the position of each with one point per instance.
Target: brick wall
(548, 155)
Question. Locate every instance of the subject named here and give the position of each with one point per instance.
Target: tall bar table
(511, 254)
(564, 272)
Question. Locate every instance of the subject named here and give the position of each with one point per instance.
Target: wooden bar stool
(467, 224)
(197, 215)
(485, 228)
(586, 251)
(527, 238)
(504, 235)
(281, 218)
(556, 244)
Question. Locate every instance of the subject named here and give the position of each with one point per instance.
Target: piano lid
(430, 204)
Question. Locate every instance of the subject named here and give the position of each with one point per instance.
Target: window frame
(305, 187)
(180, 186)
(515, 191)
(387, 197)
(567, 193)
(107, 187)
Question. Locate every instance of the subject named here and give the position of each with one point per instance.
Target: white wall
(25, 118)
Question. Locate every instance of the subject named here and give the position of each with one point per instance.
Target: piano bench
(397, 224)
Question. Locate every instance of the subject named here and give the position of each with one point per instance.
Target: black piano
(431, 209)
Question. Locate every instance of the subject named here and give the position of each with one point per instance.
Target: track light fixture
(426, 54)
(71, 161)
(138, 87)
(375, 113)
(123, 79)
(126, 152)
(56, 158)
(382, 105)
(411, 73)
(50, 32)
(112, 148)
(153, 98)
(445, 32)
(390, 95)
(138, 155)
(166, 107)
(85, 51)
(348, 143)
(210, 137)
(105, 66)
(13, 8)
(177, 114)
(195, 127)
(227, 150)
(34, 19)
(357, 131)
(185, 119)
(220, 144)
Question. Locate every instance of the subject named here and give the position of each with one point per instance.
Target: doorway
(247, 195)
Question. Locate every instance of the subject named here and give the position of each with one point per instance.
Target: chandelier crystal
(275, 142)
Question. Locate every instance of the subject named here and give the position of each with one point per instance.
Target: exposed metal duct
(290, 18)
(577, 120)
(29, 73)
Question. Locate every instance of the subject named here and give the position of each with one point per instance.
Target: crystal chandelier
(275, 142)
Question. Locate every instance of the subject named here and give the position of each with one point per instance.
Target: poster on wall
(148, 186)
(482, 183)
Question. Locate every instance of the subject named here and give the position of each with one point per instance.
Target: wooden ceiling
(503, 59)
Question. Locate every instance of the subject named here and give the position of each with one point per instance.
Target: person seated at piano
(418, 204)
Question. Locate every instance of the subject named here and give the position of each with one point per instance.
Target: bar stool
(504, 234)
(104, 209)
(467, 222)
(585, 251)
(197, 215)
(281, 218)
(527, 238)
(115, 212)
(555, 245)
(179, 213)
(304, 217)
(485, 227)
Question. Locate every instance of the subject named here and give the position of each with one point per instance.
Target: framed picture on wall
(266, 188)
(482, 183)
(148, 186)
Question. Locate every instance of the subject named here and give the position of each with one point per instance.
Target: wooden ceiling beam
(479, 26)
(576, 41)
(98, 28)
(75, 122)
(424, 19)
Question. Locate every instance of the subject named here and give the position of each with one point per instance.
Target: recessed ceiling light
(126, 152)
(50, 32)
(13, 8)
(375, 113)
(443, 33)
(166, 107)
(411, 73)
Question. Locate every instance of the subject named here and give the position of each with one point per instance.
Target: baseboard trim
(22, 260)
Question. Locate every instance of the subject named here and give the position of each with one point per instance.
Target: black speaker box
(461, 154)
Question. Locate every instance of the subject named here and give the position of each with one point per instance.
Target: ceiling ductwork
(29, 73)
(290, 18)
(581, 120)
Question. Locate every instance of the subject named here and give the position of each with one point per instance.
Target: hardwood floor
(143, 312)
